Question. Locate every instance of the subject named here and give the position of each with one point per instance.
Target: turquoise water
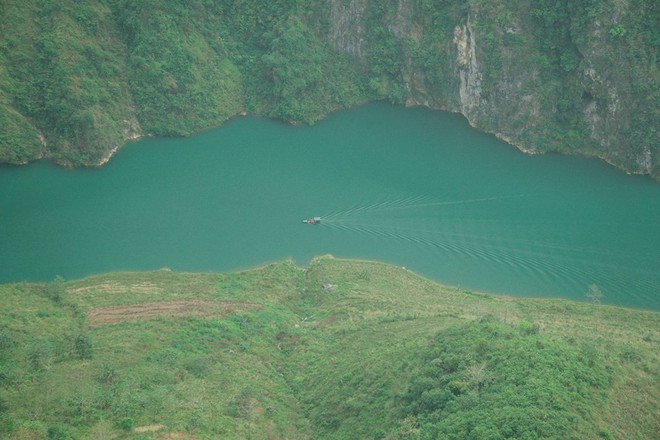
(412, 187)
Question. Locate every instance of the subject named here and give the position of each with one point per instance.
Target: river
(412, 187)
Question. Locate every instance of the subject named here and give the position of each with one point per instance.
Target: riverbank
(520, 146)
(573, 85)
(334, 350)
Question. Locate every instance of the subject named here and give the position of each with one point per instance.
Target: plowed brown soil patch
(151, 310)
(144, 287)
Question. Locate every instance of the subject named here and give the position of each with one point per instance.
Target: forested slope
(78, 79)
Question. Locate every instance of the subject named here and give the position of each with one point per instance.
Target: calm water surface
(412, 187)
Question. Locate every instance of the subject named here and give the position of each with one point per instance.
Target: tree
(594, 294)
(408, 429)
(477, 375)
(56, 290)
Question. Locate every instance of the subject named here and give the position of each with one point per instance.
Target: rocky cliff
(77, 80)
(574, 77)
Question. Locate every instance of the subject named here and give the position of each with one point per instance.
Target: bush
(199, 366)
(108, 374)
(58, 432)
(527, 328)
(82, 345)
(6, 340)
(56, 290)
(40, 356)
(126, 424)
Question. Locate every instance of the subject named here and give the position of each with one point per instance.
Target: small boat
(313, 220)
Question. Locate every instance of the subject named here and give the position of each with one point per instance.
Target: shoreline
(107, 157)
(390, 268)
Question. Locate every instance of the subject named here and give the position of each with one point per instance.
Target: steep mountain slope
(78, 79)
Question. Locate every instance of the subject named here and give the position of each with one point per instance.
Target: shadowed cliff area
(79, 79)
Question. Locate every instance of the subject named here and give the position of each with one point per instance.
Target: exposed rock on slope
(79, 80)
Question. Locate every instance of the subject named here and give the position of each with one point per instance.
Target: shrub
(6, 340)
(126, 424)
(108, 374)
(527, 328)
(40, 356)
(198, 366)
(56, 290)
(82, 346)
(58, 432)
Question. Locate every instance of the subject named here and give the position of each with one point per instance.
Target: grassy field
(338, 350)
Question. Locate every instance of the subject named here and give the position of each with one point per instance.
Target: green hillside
(339, 350)
(80, 78)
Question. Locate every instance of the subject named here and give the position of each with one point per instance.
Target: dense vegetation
(339, 350)
(489, 381)
(78, 79)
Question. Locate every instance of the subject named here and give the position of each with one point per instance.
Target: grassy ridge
(342, 349)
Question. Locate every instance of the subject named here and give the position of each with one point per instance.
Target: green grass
(341, 349)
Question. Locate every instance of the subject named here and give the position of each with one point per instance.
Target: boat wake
(406, 204)
(468, 236)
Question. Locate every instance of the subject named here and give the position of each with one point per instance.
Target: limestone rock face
(573, 80)
(544, 75)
